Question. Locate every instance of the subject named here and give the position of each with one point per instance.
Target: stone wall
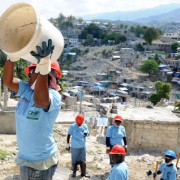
(7, 122)
(152, 135)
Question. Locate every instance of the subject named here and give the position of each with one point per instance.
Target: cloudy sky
(51, 8)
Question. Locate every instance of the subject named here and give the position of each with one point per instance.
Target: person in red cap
(79, 132)
(36, 113)
(116, 135)
(120, 169)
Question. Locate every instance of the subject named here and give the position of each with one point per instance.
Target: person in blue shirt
(36, 113)
(79, 132)
(167, 169)
(116, 134)
(120, 168)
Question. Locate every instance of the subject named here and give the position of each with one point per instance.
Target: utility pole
(80, 109)
(81, 97)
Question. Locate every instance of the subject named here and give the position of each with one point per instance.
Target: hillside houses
(115, 64)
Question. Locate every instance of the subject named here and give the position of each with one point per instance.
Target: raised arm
(8, 75)
(41, 91)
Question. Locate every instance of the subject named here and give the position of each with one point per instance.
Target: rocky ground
(97, 161)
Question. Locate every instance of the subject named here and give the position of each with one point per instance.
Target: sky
(52, 8)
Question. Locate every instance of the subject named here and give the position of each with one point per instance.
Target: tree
(114, 37)
(149, 66)
(80, 20)
(139, 47)
(60, 20)
(138, 30)
(174, 47)
(89, 41)
(3, 58)
(162, 91)
(19, 69)
(151, 34)
(92, 30)
(156, 58)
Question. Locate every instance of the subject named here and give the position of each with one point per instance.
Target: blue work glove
(44, 51)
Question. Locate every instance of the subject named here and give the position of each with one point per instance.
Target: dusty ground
(97, 161)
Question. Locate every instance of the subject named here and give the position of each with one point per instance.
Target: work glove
(68, 147)
(154, 174)
(85, 133)
(43, 56)
(149, 172)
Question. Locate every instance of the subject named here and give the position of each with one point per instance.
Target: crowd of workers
(36, 112)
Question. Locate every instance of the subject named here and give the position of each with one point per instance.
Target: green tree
(3, 58)
(162, 91)
(151, 34)
(71, 19)
(174, 47)
(19, 69)
(66, 24)
(139, 47)
(92, 30)
(138, 30)
(114, 37)
(80, 20)
(60, 20)
(89, 40)
(156, 58)
(149, 66)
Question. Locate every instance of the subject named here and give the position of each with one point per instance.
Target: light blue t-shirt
(34, 126)
(116, 135)
(78, 139)
(168, 172)
(119, 172)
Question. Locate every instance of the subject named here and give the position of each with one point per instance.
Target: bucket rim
(36, 32)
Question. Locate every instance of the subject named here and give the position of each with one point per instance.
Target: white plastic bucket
(22, 29)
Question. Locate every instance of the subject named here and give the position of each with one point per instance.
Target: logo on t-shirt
(34, 115)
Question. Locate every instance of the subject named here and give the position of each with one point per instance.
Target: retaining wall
(7, 122)
(153, 135)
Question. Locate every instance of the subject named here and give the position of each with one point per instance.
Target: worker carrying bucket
(167, 169)
(24, 34)
(22, 29)
(36, 112)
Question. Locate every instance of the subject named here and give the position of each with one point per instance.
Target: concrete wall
(7, 122)
(151, 135)
(70, 101)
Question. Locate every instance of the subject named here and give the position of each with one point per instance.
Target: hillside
(93, 62)
(162, 19)
(133, 15)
